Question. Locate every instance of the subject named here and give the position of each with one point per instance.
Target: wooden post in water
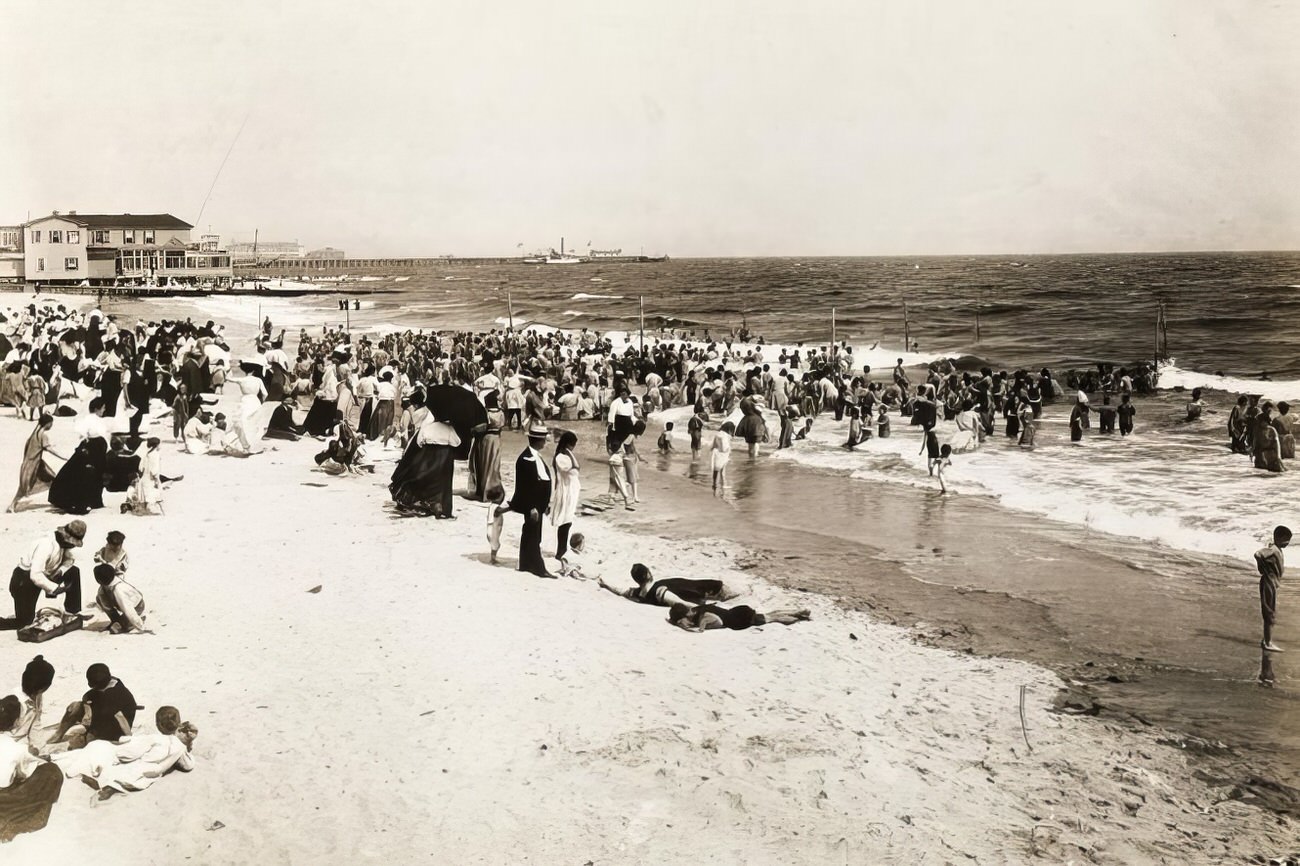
(977, 325)
(907, 336)
(640, 299)
(510, 311)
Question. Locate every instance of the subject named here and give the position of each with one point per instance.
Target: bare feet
(1270, 647)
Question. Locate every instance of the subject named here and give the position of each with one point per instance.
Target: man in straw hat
(532, 499)
(47, 566)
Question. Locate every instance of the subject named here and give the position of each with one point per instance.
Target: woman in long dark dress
(422, 480)
(485, 455)
(79, 485)
(324, 409)
(110, 380)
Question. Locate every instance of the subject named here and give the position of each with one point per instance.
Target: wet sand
(1148, 633)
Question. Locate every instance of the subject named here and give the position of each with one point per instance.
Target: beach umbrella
(459, 408)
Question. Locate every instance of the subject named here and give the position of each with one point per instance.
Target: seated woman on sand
(29, 787)
(710, 616)
(672, 591)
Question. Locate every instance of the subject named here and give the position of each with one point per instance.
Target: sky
(688, 128)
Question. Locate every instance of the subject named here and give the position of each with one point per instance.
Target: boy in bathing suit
(1271, 565)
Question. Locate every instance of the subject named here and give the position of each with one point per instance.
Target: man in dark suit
(532, 499)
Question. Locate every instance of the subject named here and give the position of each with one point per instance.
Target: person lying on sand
(710, 616)
(672, 591)
(137, 762)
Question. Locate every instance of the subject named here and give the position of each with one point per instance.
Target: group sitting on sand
(95, 741)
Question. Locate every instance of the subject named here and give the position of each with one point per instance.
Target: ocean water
(1230, 318)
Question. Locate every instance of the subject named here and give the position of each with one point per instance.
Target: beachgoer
(137, 762)
(721, 455)
(665, 443)
(1196, 406)
(79, 485)
(532, 499)
(1126, 412)
(566, 493)
(105, 712)
(882, 422)
(1238, 428)
(710, 616)
(146, 491)
(944, 461)
(37, 678)
(422, 480)
(1283, 422)
(36, 474)
(485, 454)
(1267, 446)
(49, 567)
(29, 786)
(121, 602)
(1079, 418)
(1271, 565)
(673, 590)
(1106, 416)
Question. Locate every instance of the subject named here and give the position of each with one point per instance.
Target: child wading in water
(1271, 565)
(666, 439)
(721, 455)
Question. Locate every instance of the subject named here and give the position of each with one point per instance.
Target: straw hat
(74, 531)
(538, 430)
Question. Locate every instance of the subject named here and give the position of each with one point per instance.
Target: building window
(40, 263)
(128, 236)
(74, 237)
(70, 263)
(99, 236)
(201, 261)
(56, 236)
(36, 236)
(148, 236)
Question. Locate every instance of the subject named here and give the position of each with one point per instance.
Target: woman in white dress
(146, 492)
(252, 392)
(566, 491)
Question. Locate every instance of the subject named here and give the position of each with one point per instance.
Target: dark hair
(98, 675)
(1281, 534)
(678, 612)
(10, 709)
(115, 537)
(95, 403)
(37, 676)
(640, 573)
(568, 439)
(46, 420)
(104, 574)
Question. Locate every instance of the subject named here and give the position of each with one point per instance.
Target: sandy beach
(425, 706)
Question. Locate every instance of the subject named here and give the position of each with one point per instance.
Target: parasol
(459, 408)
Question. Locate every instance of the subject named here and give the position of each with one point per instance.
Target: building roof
(120, 220)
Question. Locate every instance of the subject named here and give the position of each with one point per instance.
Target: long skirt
(110, 389)
(79, 486)
(277, 383)
(367, 414)
(1288, 446)
(25, 806)
(34, 475)
(381, 419)
(485, 468)
(422, 480)
(752, 429)
(320, 418)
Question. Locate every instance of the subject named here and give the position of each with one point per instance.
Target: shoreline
(472, 695)
(813, 747)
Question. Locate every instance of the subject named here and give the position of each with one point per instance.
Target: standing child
(945, 459)
(882, 422)
(930, 447)
(1271, 565)
(721, 455)
(113, 553)
(666, 439)
(855, 428)
(1126, 413)
(36, 395)
(696, 428)
(180, 412)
